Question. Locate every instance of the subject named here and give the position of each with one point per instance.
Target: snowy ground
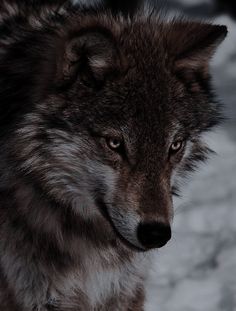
(197, 270)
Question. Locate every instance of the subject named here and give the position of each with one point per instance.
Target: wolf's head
(113, 114)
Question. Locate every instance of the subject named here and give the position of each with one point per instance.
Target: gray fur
(70, 206)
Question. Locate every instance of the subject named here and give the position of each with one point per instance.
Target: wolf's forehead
(141, 106)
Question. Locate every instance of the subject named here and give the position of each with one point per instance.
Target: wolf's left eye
(176, 146)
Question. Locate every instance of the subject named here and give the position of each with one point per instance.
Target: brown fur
(72, 209)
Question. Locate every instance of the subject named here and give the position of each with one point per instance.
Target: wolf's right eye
(114, 143)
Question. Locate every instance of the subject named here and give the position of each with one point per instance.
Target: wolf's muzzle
(154, 235)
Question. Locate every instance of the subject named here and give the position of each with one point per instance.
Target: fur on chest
(95, 285)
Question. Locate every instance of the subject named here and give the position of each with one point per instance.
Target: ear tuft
(91, 56)
(193, 44)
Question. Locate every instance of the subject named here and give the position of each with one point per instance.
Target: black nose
(154, 235)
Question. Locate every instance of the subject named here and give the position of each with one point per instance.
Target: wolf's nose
(154, 235)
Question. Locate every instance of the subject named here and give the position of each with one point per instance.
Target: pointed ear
(194, 44)
(91, 56)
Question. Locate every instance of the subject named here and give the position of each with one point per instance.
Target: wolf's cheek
(196, 151)
(126, 224)
(124, 220)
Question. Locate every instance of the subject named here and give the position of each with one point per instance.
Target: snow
(194, 2)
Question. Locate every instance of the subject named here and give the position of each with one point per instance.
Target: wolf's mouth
(104, 210)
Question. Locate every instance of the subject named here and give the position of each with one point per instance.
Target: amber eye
(176, 146)
(114, 143)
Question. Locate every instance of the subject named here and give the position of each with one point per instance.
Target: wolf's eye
(114, 143)
(176, 146)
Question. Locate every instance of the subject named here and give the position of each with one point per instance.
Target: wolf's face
(121, 121)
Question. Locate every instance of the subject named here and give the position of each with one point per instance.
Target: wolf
(101, 117)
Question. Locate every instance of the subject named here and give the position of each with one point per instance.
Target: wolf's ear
(90, 56)
(193, 43)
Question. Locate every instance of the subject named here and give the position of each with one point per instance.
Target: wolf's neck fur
(47, 260)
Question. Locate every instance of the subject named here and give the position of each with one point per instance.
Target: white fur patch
(98, 283)
(98, 63)
(126, 222)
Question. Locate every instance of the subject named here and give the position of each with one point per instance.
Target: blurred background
(196, 271)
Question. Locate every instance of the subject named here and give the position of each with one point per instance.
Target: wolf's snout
(154, 235)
